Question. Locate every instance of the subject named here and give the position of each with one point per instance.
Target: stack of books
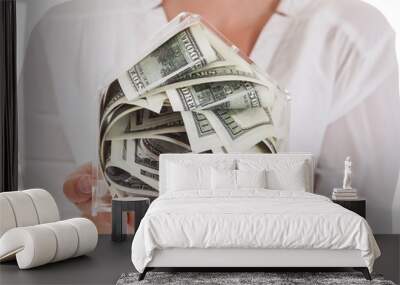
(344, 194)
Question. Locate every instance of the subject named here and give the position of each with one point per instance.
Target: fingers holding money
(78, 185)
(191, 92)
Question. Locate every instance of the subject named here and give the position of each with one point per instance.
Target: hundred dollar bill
(261, 147)
(122, 172)
(201, 134)
(280, 113)
(114, 97)
(121, 112)
(116, 118)
(225, 94)
(186, 51)
(144, 134)
(134, 164)
(122, 128)
(239, 130)
(208, 75)
(120, 179)
(125, 120)
(146, 120)
(192, 91)
(113, 117)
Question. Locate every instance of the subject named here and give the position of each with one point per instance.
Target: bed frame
(242, 259)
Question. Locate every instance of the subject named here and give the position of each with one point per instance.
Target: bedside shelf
(357, 206)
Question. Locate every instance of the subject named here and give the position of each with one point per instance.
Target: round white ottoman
(40, 244)
(26, 208)
(31, 232)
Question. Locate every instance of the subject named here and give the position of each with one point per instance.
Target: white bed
(248, 227)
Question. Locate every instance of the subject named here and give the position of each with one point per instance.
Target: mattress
(250, 219)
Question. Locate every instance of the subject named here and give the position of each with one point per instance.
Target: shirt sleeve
(364, 122)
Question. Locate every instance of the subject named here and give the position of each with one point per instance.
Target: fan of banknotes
(190, 91)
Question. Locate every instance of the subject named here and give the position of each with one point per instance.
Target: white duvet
(250, 219)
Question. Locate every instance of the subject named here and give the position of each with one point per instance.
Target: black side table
(357, 206)
(120, 205)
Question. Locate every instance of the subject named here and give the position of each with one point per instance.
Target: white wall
(30, 12)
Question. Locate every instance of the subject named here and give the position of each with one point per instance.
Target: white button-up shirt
(336, 57)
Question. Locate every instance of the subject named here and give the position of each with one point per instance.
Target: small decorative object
(347, 192)
(347, 173)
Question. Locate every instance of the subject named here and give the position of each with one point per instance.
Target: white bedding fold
(250, 218)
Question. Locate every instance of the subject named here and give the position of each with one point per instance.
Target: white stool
(31, 232)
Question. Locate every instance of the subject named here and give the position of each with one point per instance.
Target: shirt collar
(291, 7)
(150, 4)
(285, 7)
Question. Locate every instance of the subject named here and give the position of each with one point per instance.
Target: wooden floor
(110, 260)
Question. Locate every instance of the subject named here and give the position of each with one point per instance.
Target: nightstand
(358, 206)
(120, 205)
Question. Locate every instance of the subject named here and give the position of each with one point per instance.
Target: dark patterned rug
(269, 278)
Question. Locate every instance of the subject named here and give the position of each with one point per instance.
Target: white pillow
(282, 174)
(182, 177)
(293, 179)
(223, 179)
(251, 179)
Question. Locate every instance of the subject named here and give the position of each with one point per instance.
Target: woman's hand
(78, 189)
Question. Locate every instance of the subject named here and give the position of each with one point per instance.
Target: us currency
(127, 118)
(224, 71)
(122, 172)
(113, 122)
(155, 99)
(135, 122)
(219, 70)
(239, 130)
(129, 126)
(133, 166)
(145, 119)
(192, 91)
(113, 97)
(224, 94)
(232, 118)
(127, 122)
(261, 147)
(186, 51)
(201, 134)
